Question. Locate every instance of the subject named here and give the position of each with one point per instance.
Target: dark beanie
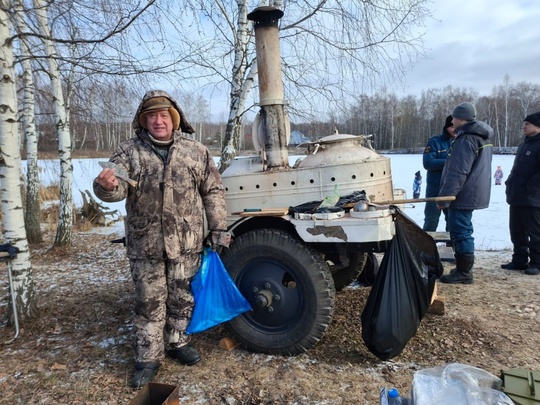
(464, 111)
(533, 119)
(448, 122)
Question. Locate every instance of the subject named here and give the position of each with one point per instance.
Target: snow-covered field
(491, 224)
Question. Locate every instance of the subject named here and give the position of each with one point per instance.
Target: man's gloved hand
(217, 240)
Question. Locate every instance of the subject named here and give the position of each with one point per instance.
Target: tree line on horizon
(394, 122)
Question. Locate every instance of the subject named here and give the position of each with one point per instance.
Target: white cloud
(475, 43)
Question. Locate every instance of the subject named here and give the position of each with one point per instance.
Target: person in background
(467, 177)
(417, 184)
(174, 184)
(433, 159)
(523, 197)
(498, 176)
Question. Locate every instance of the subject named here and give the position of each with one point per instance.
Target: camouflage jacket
(165, 210)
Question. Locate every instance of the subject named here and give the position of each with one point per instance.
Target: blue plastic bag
(217, 299)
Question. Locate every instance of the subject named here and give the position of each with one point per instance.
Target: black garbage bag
(402, 290)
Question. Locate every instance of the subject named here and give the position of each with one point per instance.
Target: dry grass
(49, 193)
(79, 349)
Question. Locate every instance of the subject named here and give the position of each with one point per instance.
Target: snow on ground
(490, 224)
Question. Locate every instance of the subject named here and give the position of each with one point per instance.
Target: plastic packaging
(402, 290)
(457, 383)
(393, 397)
(217, 299)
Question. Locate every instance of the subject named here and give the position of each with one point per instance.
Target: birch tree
(65, 219)
(60, 100)
(10, 171)
(331, 51)
(32, 213)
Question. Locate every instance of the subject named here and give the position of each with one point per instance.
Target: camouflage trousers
(163, 305)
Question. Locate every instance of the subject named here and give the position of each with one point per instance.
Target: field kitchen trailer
(301, 232)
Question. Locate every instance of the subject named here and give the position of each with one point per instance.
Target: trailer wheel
(343, 276)
(367, 277)
(289, 286)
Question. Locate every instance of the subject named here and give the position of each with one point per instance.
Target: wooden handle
(414, 200)
(273, 212)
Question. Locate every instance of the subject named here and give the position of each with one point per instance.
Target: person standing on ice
(523, 197)
(467, 177)
(498, 175)
(417, 184)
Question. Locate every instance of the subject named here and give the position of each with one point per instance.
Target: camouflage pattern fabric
(163, 305)
(165, 215)
(165, 210)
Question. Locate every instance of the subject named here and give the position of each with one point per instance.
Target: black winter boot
(186, 355)
(144, 373)
(462, 274)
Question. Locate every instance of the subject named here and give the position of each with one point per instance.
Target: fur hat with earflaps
(158, 104)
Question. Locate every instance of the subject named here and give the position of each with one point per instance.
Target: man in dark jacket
(523, 196)
(170, 184)
(467, 177)
(434, 157)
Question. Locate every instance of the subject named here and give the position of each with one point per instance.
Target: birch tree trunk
(65, 218)
(241, 85)
(32, 213)
(10, 170)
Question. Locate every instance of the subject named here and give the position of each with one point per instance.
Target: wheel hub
(263, 299)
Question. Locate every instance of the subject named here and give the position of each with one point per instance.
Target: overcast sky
(475, 43)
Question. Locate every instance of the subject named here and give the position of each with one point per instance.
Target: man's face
(457, 123)
(160, 124)
(451, 131)
(530, 129)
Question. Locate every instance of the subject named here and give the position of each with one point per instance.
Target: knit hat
(158, 104)
(417, 174)
(448, 122)
(464, 111)
(533, 119)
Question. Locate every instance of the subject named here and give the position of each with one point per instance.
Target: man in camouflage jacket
(174, 184)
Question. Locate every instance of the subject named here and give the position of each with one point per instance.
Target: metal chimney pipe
(274, 119)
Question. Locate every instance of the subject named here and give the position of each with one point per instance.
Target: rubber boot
(462, 274)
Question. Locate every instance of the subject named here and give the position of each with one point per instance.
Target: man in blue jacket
(523, 196)
(467, 177)
(435, 155)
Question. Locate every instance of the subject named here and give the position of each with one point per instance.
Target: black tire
(289, 286)
(368, 275)
(346, 275)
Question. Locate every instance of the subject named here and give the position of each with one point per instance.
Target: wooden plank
(446, 253)
(272, 212)
(404, 201)
(437, 304)
(440, 236)
(228, 343)
(415, 200)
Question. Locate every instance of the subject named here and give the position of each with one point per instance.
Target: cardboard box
(157, 394)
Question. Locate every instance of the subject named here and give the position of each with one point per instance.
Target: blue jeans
(461, 230)
(432, 215)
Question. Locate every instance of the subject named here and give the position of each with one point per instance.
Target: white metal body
(338, 163)
(347, 229)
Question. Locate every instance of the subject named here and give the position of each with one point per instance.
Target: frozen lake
(490, 224)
